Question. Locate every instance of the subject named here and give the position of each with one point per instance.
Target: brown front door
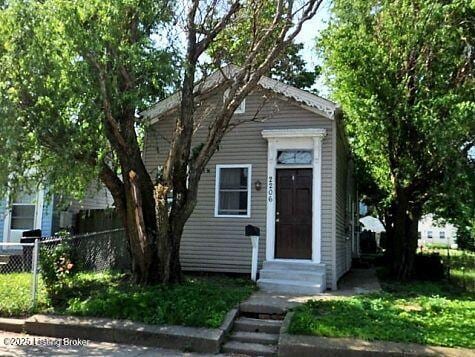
(293, 227)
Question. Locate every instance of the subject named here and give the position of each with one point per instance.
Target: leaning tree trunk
(133, 199)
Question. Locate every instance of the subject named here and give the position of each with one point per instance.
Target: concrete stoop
(297, 278)
(255, 333)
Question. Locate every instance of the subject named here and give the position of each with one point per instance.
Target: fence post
(34, 270)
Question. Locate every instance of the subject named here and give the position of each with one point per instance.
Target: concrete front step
(255, 337)
(316, 277)
(250, 349)
(248, 324)
(291, 286)
(293, 265)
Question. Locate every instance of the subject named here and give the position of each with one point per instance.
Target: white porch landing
(292, 277)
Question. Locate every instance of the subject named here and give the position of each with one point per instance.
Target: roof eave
(327, 108)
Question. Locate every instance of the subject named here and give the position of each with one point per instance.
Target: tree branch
(110, 120)
(203, 45)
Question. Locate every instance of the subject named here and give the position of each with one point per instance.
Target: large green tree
(403, 73)
(74, 75)
(455, 202)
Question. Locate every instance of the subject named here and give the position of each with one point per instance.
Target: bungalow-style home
(285, 168)
(36, 210)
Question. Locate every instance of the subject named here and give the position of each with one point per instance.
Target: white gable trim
(308, 100)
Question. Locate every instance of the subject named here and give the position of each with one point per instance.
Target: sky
(307, 36)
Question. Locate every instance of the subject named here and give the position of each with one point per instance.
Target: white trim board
(216, 190)
(284, 139)
(39, 205)
(311, 101)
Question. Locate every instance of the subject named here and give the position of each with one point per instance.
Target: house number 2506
(270, 190)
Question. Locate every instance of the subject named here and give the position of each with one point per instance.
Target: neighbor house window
(23, 212)
(233, 191)
(441, 235)
(429, 234)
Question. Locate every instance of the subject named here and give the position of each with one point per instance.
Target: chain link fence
(459, 265)
(19, 262)
(96, 252)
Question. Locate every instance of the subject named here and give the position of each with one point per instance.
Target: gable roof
(308, 100)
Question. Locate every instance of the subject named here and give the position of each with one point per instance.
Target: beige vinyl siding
(218, 244)
(342, 241)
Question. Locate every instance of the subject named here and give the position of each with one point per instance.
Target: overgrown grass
(15, 295)
(419, 312)
(460, 264)
(199, 301)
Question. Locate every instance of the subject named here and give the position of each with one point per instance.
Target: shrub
(428, 267)
(57, 267)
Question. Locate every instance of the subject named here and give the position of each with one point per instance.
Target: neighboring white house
(433, 232)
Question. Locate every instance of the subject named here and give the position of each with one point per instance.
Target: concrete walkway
(49, 346)
(356, 281)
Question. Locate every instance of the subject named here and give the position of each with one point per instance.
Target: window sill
(231, 216)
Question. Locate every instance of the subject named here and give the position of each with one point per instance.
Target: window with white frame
(23, 212)
(233, 191)
(429, 234)
(442, 235)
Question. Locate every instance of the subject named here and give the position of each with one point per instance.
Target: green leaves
(401, 71)
(50, 56)
(202, 302)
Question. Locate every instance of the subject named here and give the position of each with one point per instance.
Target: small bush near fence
(62, 257)
(57, 267)
(99, 251)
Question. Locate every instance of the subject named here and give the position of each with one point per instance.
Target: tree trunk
(133, 199)
(402, 237)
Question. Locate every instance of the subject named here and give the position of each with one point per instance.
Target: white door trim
(304, 139)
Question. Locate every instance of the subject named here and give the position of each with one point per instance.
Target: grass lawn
(200, 301)
(461, 264)
(421, 312)
(15, 295)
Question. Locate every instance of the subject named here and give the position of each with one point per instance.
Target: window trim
(39, 202)
(216, 189)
